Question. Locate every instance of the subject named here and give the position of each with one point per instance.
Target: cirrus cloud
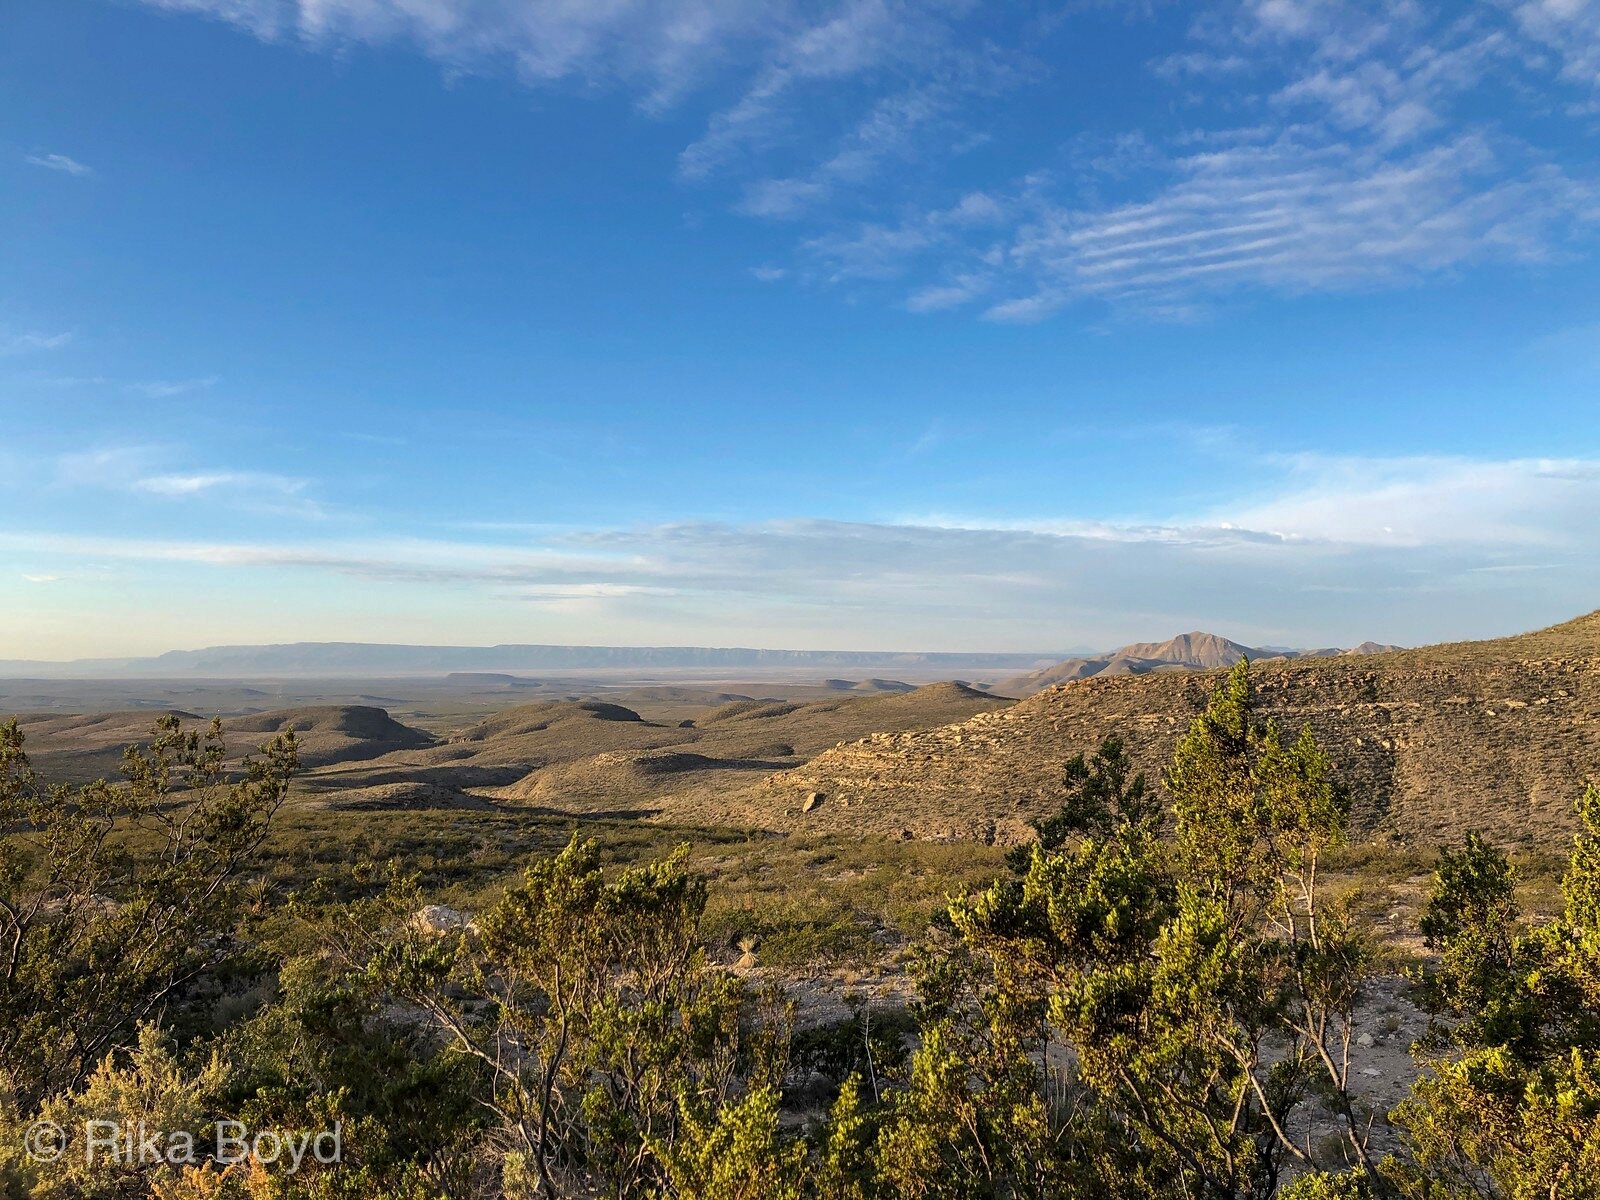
(58, 162)
(1315, 147)
(28, 343)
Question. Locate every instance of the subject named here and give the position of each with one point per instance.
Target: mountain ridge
(336, 659)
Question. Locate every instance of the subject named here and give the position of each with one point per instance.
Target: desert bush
(601, 1030)
(738, 1152)
(872, 1044)
(145, 1088)
(330, 1052)
(794, 935)
(1166, 968)
(116, 899)
(1509, 1106)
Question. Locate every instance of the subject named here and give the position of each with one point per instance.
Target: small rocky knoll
(330, 733)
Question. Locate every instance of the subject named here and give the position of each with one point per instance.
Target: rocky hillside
(1499, 736)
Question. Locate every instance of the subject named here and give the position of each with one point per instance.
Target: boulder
(440, 919)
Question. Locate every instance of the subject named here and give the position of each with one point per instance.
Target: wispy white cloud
(257, 491)
(1536, 505)
(780, 58)
(162, 389)
(932, 436)
(883, 251)
(1305, 211)
(661, 48)
(194, 483)
(67, 381)
(848, 39)
(1574, 348)
(28, 343)
(1569, 30)
(895, 129)
(40, 579)
(1292, 217)
(938, 296)
(782, 198)
(1368, 175)
(1353, 502)
(58, 162)
(144, 470)
(104, 466)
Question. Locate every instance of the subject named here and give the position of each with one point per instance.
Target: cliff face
(1430, 747)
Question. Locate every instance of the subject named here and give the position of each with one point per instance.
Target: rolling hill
(80, 747)
(583, 754)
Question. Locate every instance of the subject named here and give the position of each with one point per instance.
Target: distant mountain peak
(1196, 650)
(1193, 648)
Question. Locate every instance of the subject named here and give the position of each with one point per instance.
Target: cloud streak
(661, 47)
(58, 162)
(144, 471)
(30, 343)
(1404, 548)
(1290, 217)
(165, 389)
(1569, 29)
(204, 482)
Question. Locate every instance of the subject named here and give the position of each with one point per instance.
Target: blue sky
(856, 324)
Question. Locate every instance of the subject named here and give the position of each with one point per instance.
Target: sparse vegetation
(1165, 993)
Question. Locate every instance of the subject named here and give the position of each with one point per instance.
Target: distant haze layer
(338, 659)
(363, 658)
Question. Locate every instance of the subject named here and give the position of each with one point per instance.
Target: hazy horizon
(881, 655)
